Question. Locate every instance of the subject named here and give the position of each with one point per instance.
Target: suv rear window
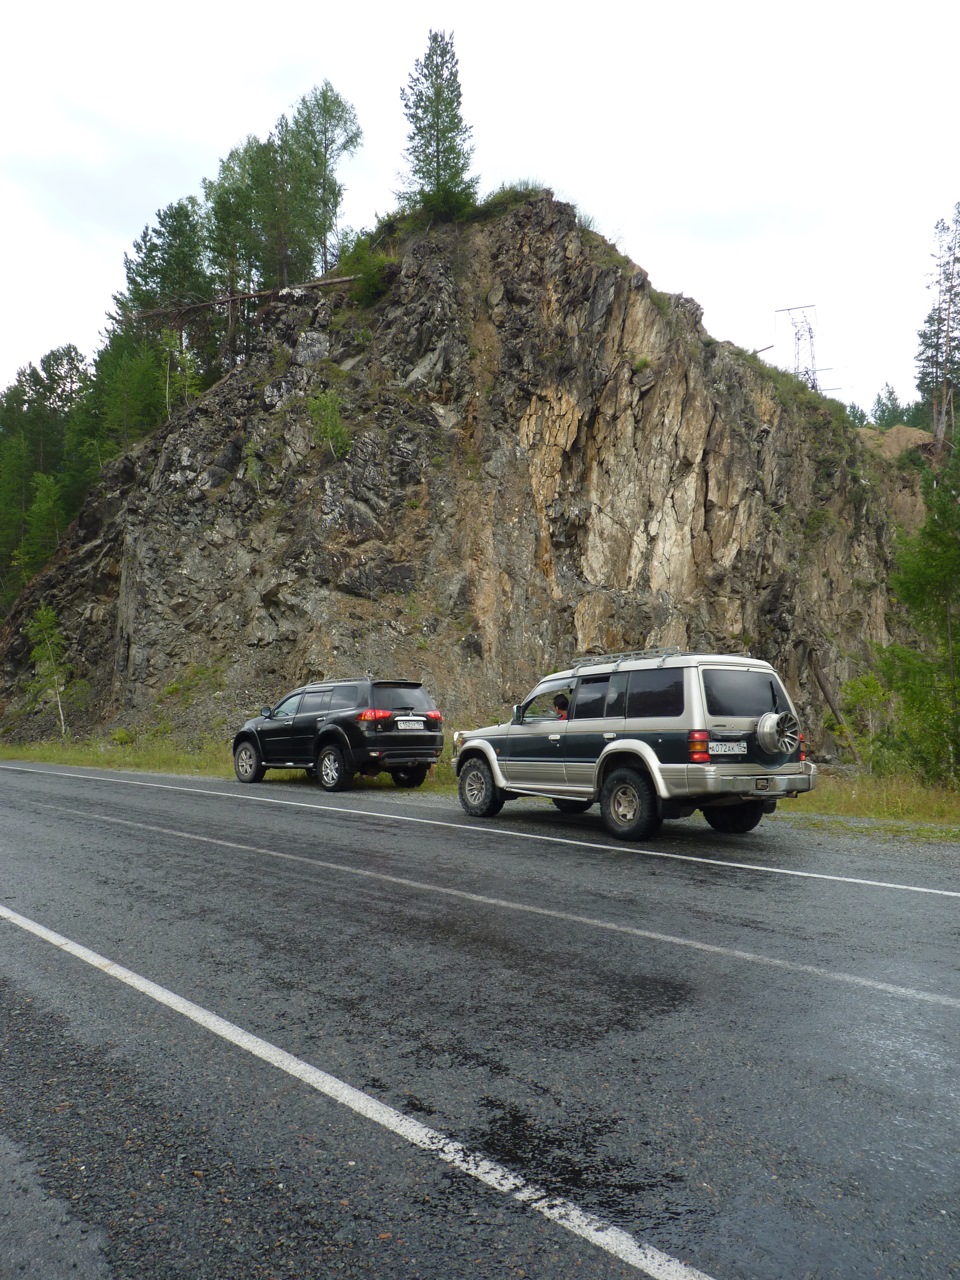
(402, 697)
(735, 692)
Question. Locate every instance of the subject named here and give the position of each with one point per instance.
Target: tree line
(193, 282)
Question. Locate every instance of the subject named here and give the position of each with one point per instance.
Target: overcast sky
(754, 156)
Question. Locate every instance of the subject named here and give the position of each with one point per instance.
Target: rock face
(521, 453)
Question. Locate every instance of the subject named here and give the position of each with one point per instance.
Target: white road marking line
(690, 944)
(604, 1235)
(625, 848)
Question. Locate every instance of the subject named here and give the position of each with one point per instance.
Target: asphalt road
(254, 1032)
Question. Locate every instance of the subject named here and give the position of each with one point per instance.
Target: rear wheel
(572, 806)
(629, 805)
(479, 794)
(332, 771)
(734, 818)
(247, 763)
(412, 776)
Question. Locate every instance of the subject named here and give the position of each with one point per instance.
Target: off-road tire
(572, 806)
(479, 794)
(629, 804)
(734, 819)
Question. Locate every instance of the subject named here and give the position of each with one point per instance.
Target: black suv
(338, 728)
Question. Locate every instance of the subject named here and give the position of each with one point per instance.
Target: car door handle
(554, 737)
(320, 719)
(609, 736)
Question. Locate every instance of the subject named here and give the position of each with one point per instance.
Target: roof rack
(595, 660)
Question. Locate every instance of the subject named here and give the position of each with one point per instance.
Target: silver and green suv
(649, 735)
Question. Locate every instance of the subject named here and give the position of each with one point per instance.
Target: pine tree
(439, 150)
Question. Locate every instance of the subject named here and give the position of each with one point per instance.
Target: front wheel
(332, 771)
(479, 794)
(248, 763)
(735, 819)
(629, 805)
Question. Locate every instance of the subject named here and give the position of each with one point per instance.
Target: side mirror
(516, 713)
(266, 712)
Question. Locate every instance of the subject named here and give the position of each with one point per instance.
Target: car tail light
(803, 750)
(374, 713)
(435, 716)
(697, 740)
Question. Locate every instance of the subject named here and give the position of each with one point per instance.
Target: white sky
(754, 156)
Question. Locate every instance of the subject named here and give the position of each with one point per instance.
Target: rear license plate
(727, 748)
(409, 724)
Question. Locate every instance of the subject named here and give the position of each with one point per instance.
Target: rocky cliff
(520, 453)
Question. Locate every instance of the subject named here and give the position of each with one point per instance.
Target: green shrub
(329, 429)
(370, 268)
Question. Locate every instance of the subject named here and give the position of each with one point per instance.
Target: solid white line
(691, 944)
(489, 830)
(565, 1213)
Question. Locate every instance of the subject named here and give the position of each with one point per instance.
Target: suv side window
(591, 697)
(617, 694)
(344, 695)
(654, 693)
(540, 704)
(314, 701)
(286, 708)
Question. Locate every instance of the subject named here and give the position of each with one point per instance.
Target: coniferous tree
(938, 360)
(438, 150)
(43, 525)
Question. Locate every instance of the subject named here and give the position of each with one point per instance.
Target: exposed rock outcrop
(546, 457)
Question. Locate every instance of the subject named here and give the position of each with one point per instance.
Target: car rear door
(596, 718)
(310, 718)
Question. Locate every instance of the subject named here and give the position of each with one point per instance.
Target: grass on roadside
(861, 795)
(146, 755)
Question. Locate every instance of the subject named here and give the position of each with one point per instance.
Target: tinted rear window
(656, 692)
(734, 692)
(344, 695)
(402, 697)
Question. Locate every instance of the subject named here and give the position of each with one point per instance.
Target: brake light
(697, 740)
(803, 752)
(435, 715)
(374, 713)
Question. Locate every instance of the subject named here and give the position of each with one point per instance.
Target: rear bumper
(714, 781)
(400, 757)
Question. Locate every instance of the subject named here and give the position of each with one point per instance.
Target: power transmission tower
(804, 361)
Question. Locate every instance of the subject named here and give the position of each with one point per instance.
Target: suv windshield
(735, 692)
(402, 697)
